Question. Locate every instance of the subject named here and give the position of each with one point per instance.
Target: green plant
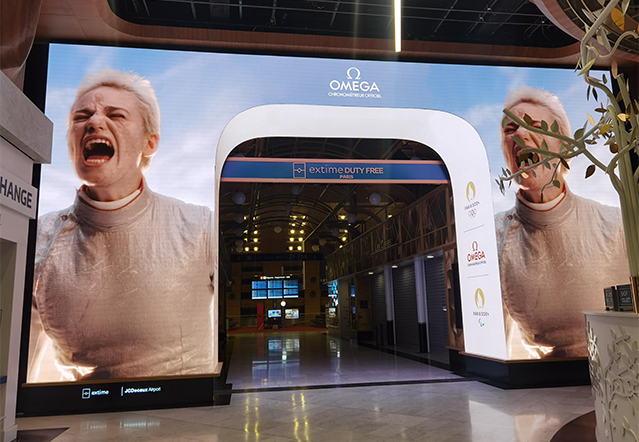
(617, 124)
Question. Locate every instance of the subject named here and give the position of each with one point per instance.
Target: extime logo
(353, 86)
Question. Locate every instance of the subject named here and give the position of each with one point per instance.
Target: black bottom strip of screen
(361, 384)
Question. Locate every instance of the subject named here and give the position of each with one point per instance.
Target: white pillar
(422, 306)
(390, 304)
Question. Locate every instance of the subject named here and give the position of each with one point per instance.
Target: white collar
(542, 207)
(107, 205)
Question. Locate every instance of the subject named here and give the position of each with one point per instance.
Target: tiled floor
(442, 412)
(266, 360)
(443, 408)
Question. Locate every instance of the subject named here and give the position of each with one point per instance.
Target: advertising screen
(275, 313)
(127, 206)
(291, 313)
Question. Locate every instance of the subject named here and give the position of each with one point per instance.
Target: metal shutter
(436, 298)
(406, 329)
(378, 303)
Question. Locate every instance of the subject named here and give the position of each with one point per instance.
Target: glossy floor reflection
(293, 359)
(443, 412)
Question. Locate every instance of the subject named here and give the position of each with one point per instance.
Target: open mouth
(98, 151)
(525, 157)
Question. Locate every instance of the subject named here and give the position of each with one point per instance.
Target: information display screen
(275, 313)
(291, 313)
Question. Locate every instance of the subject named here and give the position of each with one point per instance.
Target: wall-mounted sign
(17, 194)
(239, 169)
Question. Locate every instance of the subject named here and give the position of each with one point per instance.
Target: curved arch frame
(465, 157)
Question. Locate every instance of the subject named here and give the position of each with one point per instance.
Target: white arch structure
(463, 152)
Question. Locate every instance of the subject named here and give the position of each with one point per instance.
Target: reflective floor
(293, 359)
(442, 412)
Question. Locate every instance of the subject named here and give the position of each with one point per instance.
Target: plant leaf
(587, 67)
(594, 94)
(590, 170)
(564, 163)
(547, 165)
(557, 184)
(504, 122)
(618, 18)
(591, 120)
(519, 142)
(544, 146)
(554, 127)
(623, 117)
(605, 80)
(544, 126)
(615, 69)
(579, 133)
(528, 119)
(614, 148)
(624, 6)
(524, 175)
(605, 128)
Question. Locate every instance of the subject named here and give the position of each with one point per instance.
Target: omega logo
(349, 76)
(352, 86)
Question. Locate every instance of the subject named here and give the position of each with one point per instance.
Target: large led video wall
(126, 252)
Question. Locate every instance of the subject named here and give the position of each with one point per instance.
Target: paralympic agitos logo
(354, 86)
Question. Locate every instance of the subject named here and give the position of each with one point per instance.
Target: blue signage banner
(321, 171)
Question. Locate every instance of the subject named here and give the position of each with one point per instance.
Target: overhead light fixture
(398, 25)
(394, 267)
(300, 239)
(290, 247)
(429, 256)
(255, 248)
(344, 238)
(255, 239)
(292, 231)
(390, 216)
(371, 273)
(255, 232)
(246, 249)
(299, 247)
(301, 232)
(239, 197)
(342, 217)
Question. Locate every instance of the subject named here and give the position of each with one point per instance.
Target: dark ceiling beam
(521, 5)
(334, 13)
(273, 11)
(446, 14)
(481, 20)
(275, 8)
(193, 10)
(333, 212)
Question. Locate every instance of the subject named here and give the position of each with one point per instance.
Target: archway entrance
(325, 181)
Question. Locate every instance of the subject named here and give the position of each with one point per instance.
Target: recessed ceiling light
(394, 267)
(429, 256)
(371, 273)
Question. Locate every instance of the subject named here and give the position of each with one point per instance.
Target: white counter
(613, 347)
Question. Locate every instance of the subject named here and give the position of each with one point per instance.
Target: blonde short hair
(139, 86)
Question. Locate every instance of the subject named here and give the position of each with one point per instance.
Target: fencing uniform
(127, 292)
(554, 264)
